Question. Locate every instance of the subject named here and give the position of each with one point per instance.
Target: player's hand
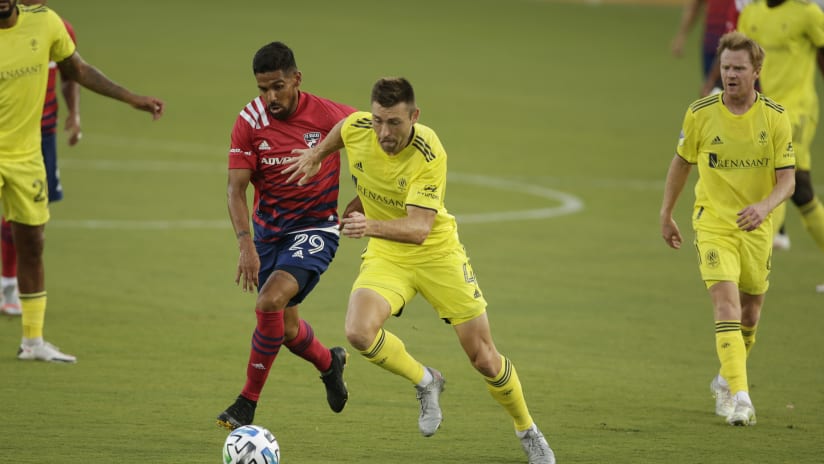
(751, 217)
(302, 166)
(671, 234)
(72, 128)
(150, 105)
(677, 46)
(248, 267)
(354, 225)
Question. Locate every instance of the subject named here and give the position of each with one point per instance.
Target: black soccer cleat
(336, 393)
(240, 413)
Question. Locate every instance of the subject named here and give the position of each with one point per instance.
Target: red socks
(310, 348)
(266, 342)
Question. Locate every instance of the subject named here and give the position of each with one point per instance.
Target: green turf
(610, 330)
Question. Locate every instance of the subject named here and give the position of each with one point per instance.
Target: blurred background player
(792, 35)
(714, 20)
(295, 228)
(23, 183)
(70, 89)
(741, 142)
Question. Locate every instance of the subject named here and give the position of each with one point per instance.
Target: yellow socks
(812, 215)
(729, 344)
(507, 391)
(33, 306)
(389, 352)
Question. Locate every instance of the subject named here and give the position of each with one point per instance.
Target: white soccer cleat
(724, 404)
(429, 396)
(45, 351)
(743, 414)
(536, 447)
(819, 288)
(781, 241)
(11, 301)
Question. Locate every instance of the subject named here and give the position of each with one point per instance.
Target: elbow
(420, 235)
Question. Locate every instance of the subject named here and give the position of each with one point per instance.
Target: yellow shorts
(447, 283)
(740, 257)
(24, 191)
(803, 134)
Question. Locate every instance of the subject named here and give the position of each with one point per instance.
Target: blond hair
(735, 41)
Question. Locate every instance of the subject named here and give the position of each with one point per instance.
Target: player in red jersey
(10, 295)
(715, 25)
(295, 227)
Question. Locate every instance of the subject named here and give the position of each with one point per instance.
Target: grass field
(541, 106)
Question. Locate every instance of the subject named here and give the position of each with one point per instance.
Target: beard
(7, 14)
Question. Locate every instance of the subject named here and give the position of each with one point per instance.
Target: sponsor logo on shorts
(712, 258)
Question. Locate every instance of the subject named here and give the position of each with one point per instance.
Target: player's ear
(415, 115)
(298, 78)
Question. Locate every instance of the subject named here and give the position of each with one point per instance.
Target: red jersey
(48, 124)
(264, 144)
(715, 23)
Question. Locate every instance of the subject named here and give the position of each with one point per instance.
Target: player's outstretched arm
(75, 68)
(307, 163)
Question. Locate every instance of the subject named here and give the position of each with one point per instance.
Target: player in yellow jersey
(399, 169)
(30, 37)
(792, 35)
(741, 142)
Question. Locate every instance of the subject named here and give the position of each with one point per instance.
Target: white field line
(562, 203)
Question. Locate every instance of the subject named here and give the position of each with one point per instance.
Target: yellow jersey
(387, 184)
(790, 34)
(737, 156)
(38, 37)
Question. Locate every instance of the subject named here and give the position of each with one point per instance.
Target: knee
(359, 336)
(270, 302)
(727, 312)
(486, 361)
(750, 314)
(749, 320)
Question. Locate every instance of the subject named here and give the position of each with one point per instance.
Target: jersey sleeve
(62, 45)
(783, 143)
(348, 125)
(241, 153)
(427, 189)
(688, 139)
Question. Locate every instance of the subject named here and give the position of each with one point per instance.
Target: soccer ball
(251, 444)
